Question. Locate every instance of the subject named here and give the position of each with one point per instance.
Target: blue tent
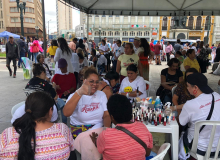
(6, 34)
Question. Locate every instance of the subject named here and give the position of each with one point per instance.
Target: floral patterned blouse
(53, 143)
(180, 92)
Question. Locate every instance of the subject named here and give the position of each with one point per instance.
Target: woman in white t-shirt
(83, 63)
(87, 106)
(133, 85)
(198, 109)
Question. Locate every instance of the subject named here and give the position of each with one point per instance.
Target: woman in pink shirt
(35, 48)
(116, 144)
(168, 50)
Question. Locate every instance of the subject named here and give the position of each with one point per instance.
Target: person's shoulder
(100, 93)
(139, 78)
(8, 135)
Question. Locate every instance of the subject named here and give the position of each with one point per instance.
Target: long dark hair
(54, 43)
(81, 45)
(63, 45)
(146, 47)
(37, 107)
(193, 70)
(38, 68)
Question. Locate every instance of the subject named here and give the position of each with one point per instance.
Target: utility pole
(44, 29)
(21, 6)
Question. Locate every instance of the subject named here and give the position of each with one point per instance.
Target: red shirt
(152, 47)
(115, 144)
(157, 48)
(65, 81)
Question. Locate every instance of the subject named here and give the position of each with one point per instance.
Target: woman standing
(126, 59)
(190, 61)
(202, 58)
(143, 55)
(87, 106)
(103, 49)
(33, 135)
(63, 52)
(53, 48)
(35, 48)
(30, 54)
(168, 50)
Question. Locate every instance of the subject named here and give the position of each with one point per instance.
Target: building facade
(216, 35)
(10, 17)
(64, 16)
(199, 27)
(124, 28)
(80, 31)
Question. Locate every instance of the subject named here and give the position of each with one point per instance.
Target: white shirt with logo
(137, 83)
(119, 51)
(90, 109)
(196, 110)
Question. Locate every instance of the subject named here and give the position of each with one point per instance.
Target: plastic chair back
(173, 90)
(15, 107)
(193, 151)
(162, 152)
(149, 84)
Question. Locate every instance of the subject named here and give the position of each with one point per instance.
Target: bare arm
(106, 119)
(175, 99)
(118, 68)
(166, 86)
(140, 68)
(180, 79)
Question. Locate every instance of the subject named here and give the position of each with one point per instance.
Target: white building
(124, 28)
(216, 32)
(80, 31)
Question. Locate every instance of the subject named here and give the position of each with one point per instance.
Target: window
(13, 9)
(198, 23)
(190, 23)
(132, 33)
(146, 33)
(12, 0)
(15, 19)
(172, 21)
(207, 23)
(117, 33)
(164, 26)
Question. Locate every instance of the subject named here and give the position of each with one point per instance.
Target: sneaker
(10, 73)
(14, 76)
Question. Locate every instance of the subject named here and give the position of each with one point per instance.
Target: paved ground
(11, 89)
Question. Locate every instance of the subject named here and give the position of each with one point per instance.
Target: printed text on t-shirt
(90, 108)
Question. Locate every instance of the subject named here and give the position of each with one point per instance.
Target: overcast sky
(50, 11)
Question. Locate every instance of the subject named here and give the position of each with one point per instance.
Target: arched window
(208, 19)
(96, 33)
(172, 22)
(117, 33)
(198, 23)
(164, 25)
(190, 22)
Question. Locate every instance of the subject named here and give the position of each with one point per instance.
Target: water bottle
(157, 104)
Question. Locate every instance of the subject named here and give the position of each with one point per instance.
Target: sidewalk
(11, 89)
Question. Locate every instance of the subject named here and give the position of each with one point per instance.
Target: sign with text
(138, 26)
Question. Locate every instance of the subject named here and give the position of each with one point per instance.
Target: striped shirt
(115, 144)
(53, 143)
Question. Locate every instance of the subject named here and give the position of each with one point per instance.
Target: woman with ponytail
(33, 136)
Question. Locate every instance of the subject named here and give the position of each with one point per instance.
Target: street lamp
(21, 6)
(37, 30)
(100, 34)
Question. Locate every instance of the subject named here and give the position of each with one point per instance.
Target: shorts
(8, 61)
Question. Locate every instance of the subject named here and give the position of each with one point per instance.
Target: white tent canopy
(147, 7)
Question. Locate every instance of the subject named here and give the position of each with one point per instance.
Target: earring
(195, 92)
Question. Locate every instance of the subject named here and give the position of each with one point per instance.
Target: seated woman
(87, 106)
(198, 109)
(40, 60)
(190, 61)
(93, 58)
(83, 63)
(109, 85)
(38, 83)
(169, 78)
(109, 142)
(136, 84)
(33, 135)
(181, 94)
(179, 56)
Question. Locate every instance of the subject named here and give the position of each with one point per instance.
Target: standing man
(72, 45)
(136, 44)
(118, 51)
(157, 49)
(107, 55)
(151, 48)
(12, 54)
(177, 46)
(86, 45)
(22, 51)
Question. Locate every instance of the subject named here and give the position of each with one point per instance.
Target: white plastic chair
(162, 152)
(193, 151)
(173, 90)
(15, 107)
(90, 63)
(149, 84)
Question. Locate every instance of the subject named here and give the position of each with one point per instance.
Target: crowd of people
(94, 100)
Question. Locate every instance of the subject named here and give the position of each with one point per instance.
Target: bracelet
(78, 93)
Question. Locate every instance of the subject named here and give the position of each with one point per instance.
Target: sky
(50, 12)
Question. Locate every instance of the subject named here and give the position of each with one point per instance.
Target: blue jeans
(60, 105)
(35, 57)
(114, 65)
(101, 69)
(29, 55)
(22, 54)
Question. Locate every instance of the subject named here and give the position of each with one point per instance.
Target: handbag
(35, 49)
(132, 136)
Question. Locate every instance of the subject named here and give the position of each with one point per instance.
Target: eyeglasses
(93, 82)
